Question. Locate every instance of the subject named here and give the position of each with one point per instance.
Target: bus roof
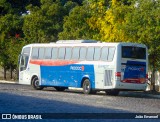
(83, 43)
(77, 41)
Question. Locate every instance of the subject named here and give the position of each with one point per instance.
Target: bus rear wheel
(112, 92)
(35, 84)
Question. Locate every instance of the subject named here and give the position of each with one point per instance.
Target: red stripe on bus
(52, 63)
(136, 80)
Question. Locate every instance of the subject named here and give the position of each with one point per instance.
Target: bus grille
(108, 77)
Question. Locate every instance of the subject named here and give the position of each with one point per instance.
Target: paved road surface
(21, 99)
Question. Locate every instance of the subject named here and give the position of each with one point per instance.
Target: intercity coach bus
(86, 64)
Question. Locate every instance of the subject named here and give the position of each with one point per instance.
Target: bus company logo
(136, 69)
(141, 69)
(80, 68)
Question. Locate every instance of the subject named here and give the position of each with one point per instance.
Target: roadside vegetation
(37, 21)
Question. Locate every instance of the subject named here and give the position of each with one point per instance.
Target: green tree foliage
(108, 18)
(16, 6)
(96, 21)
(77, 23)
(79, 2)
(143, 26)
(10, 29)
(45, 22)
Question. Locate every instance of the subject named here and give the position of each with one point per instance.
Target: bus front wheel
(35, 84)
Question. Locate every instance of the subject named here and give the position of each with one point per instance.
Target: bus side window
(111, 53)
(41, 53)
(83, 51)
(35, 53)
(75, 53)
(104, 54)
(90, 53)
(68, 53)
(61, 53)
(54, 53)
(48, 53)
(97, 53)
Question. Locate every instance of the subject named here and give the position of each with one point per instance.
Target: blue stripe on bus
(135, 69)
(135, 63)
(67, 76)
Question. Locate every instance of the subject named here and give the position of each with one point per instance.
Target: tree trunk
(5, 71)
(17, 73)
(153, 79)
(11, 72)
(154, 69)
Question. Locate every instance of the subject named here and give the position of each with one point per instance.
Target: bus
(90, 65)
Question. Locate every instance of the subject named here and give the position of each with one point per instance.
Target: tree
(108, 18)
(98, 9)
(76, 25)
(10, 29)
(45, 22)
(143, 26)
(79, 2)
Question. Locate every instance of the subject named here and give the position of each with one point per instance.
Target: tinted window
(97, 53)
(35, 53)
(41, 53)
(54, 52)
(61, 53)
(90, 53)
(48, 53)
(111, 53)
(104, 54)
(75, 53)
(133, 52)
(68, 53)
(83, 51)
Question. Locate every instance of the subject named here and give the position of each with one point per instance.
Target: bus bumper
(130, 86)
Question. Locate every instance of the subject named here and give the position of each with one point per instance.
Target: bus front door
(23, 72)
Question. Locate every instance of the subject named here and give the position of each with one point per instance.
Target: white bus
(86, 64)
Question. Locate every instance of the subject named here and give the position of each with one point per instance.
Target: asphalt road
(21, 99)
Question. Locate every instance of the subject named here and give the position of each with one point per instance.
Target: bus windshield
(133, 52)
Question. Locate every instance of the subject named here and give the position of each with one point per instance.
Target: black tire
(35, 84)
(112, 92)
(60, 88)
(87, 87)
